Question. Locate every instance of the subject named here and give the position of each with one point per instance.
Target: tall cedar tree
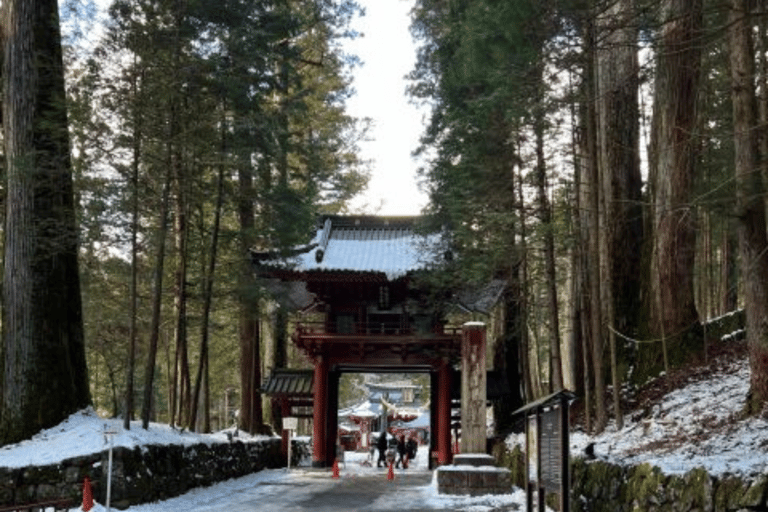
(44, 373)
(480, 89)
(750, 205)
(618, 135)
(673, 155)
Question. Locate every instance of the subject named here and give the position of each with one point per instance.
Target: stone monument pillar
(473, 471)
(473, 388)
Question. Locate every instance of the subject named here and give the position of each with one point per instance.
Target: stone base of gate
(473, 474)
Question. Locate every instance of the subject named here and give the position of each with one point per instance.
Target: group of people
(406, 451)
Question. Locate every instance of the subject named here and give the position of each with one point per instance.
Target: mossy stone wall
(145, 474)
(599, 486)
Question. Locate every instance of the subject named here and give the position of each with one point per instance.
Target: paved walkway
(360, 487)
(411, 490)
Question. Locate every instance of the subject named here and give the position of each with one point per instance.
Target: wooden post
(444, 414)
(320, 413)
(565, 456)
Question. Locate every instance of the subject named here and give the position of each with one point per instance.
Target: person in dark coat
(411, 447)
(381, 445)
(401, 453)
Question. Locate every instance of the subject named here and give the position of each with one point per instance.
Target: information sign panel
(290, 423)
(532, 451)
(551, 450)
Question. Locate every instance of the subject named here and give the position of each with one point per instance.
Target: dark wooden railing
(373, 328)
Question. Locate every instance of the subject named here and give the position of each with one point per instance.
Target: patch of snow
(83, 433)
(466, 467)
(694, 426)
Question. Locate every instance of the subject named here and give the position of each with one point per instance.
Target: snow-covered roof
(362, 410)
(385, 245)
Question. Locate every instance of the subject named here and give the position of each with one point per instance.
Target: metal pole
(109, 475)
(290, 435)
(108, 434)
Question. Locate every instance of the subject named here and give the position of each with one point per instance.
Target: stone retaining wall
(599, 486)
(603, 487)
(145, 474)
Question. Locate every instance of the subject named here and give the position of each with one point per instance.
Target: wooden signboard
(547, 450)
(551, 450)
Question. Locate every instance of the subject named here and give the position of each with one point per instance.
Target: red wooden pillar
(320, 413)
(444, 414)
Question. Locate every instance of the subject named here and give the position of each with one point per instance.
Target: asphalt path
(359, 486)
(409, 491)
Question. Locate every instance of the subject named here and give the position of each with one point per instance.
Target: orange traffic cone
(87, 495)
(391, 472)
(336, 468)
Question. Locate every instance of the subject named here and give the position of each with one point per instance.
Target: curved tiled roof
(387, 245)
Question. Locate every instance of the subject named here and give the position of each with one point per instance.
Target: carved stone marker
(473, 471)
(473, 388)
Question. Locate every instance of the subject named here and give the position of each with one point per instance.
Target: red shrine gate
(358, 272)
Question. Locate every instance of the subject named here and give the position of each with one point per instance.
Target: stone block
(497, 480)
(46, 492)
(473, 459)
(475, 480)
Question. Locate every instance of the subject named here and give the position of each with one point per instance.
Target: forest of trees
(606, 157)
(196, 131)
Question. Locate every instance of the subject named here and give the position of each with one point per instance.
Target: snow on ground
(272, 486)
(695, 426)
(83, 434)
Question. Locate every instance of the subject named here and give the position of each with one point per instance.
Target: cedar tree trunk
(44, 373)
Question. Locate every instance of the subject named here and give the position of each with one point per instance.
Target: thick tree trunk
(251, 415)
(672, 167)
(750, 208)
(545, 216)
(577, 258)
(622, 230)
(762, 81)
(44, 373)
(594, 257)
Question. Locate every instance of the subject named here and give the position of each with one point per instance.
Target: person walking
(411, 447)
(401, 453)
(381, 445)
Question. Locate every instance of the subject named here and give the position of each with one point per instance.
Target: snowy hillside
(697, 424)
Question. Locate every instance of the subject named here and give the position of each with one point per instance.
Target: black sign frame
(547, 464)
